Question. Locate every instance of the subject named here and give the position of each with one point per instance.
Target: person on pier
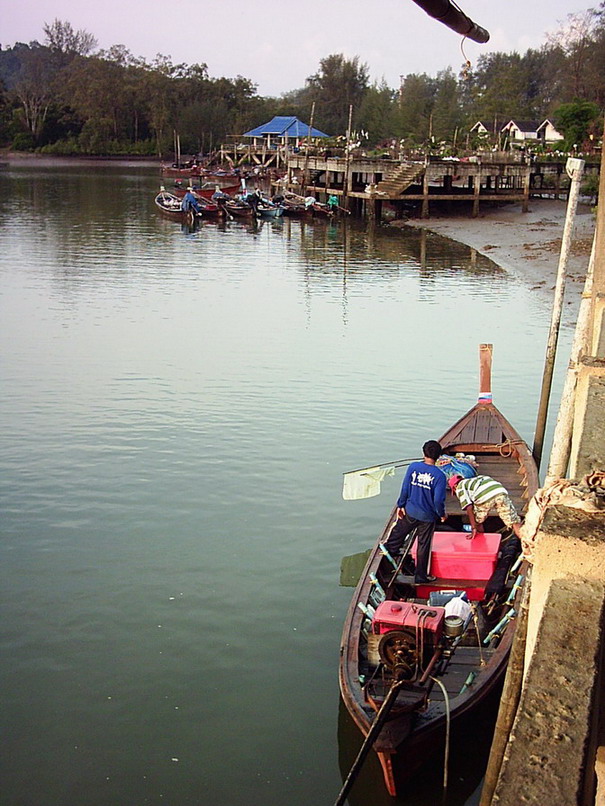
(420, 505)
(478, 496)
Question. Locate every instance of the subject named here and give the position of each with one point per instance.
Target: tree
(33, 87)
(61, 38)
(414, 107)
(447, 108)
(574, 119)
(376, 113)
(574, 38)
(339, 84)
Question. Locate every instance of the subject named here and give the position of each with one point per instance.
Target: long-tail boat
(170, 206)
(207, 189)
(408, 670)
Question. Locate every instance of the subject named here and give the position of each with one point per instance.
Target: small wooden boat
(264, 207)
(170, 206)
(209, 209)
(236, 209)
(294, 205)
(269, 211)
(181, 171)
(402, 675)
(206, 189)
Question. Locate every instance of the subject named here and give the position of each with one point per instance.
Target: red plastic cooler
(454, 556)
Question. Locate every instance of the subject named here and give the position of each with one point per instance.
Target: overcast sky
(277, 45)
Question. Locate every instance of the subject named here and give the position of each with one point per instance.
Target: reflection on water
(177, 410)
(467, 758)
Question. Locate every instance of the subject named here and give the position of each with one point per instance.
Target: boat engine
(409, 636)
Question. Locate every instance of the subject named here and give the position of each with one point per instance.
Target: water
(177, 410)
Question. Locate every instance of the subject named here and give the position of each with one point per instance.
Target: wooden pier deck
(365, 184)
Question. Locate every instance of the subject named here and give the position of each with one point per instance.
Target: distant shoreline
(21, 158)
(527, 245)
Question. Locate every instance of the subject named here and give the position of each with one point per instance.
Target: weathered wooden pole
(574, 170)
(598, 288)
(306, 168)
(561, 447)
(509, 702)
(345, 188)
(425, 190)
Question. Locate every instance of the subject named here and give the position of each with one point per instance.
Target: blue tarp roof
(285, 127)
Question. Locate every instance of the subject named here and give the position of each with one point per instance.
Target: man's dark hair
(431, 449)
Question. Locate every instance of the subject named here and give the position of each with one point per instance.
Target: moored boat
(181, 171)
(408, 670)
(170, 206)
(236, 208)
(206, 189)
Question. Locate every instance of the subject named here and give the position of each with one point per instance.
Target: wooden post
(574, 169)
(598, 289)
(509, 702)
(485, 372)
(561, 448)
(345, 184)
(476, 191)
(425, 191)
(305, 171)
(526, 183)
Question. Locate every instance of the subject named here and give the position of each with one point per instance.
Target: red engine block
(391, 615)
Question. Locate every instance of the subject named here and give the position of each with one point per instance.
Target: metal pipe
(454, 18)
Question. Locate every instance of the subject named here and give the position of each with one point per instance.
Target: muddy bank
(528, 244)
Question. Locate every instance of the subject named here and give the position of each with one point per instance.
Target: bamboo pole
(345, 187)
(598, 288)
(509, 702)
(305, 171)
(574, 170)
(561, 449)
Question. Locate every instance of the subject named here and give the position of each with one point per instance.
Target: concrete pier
(552, 746)
(555, 752)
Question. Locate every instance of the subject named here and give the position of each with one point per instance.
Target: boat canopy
(282, 126)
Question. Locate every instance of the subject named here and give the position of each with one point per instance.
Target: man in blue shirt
(189, 202)
(420, 505)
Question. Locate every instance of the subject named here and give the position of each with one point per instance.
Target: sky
(278, 45)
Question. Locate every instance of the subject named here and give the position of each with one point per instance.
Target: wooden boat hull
(501, 453)
(270, 212)
(238, 210)
(206, 191)
(169, 206)
(181, 173)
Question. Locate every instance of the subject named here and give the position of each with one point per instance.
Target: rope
(505, 448)
(447, 734)
(476, 623)
(467, 62)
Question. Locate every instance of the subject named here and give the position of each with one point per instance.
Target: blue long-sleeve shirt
(423, 492)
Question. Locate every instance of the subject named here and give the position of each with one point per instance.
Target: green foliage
(574, 119)
(23, 141)
(338, 85)
(70, 97)
(590, 187)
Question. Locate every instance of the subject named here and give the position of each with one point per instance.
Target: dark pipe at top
(449, 14)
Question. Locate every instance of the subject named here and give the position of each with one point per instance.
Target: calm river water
(176, 413)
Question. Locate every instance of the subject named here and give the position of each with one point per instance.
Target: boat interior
(413, 643)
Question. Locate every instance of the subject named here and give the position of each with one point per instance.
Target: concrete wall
(549, 759)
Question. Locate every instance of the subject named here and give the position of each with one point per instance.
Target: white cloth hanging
(365, 483)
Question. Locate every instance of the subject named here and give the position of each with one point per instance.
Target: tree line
(65, 96)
